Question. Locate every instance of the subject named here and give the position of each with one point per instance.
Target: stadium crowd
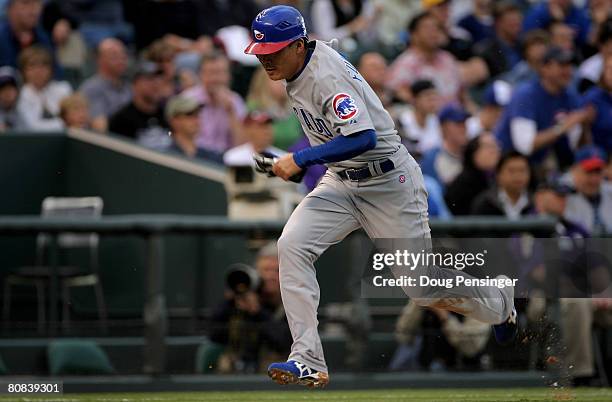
(502, 97)
(507, 105)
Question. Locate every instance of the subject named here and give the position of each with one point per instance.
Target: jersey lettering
(315, 125)
(352, 71)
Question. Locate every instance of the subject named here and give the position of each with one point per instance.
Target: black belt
(364, 173)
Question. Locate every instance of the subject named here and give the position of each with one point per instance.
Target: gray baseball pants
(392, 205)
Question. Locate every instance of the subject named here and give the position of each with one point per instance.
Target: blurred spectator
(541, 15)
(510, 196)
(590, 70)
(271, 97)
(107, 91)
(601, 99)
(143, 118)
(180, 18)
(420, 127)
(214, 15)
(21, 29)
(455, 39)
(62, 27)
(600, 12)
(251, 322)
(220, 119)
(10, 118)
(543, 115)
(434, 339)
(74, 111)
(182, 114)
(373, 68)
(343, 20)
(503, 51)
(392, 20)
(535, 44)
(40, 96)
(592, 203)
(479, 23)
(562, 36)
(100, 19)
(445, 162)
(495, 98)
(162, 53)
(424, 60)
(258, 127)
(480, 159)
(436, 206)
(551, 199)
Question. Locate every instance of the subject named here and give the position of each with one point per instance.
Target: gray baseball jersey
(331, 98)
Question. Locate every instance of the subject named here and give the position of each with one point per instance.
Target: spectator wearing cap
(143, 118)
(444, 163)
(220, 119)
(503, 51)
(534, 44)
(39, 100)
(425, 60)
(10, 118)
(420, 127)
(479, 161)
(258, 127)
(510, 196)
(544, 117)
(182, 114)
(550, 199)
(479, 23)
(601, 99)
(21, 29)
(74, 111)
(591, 205)
(541, 15)
(495, 98)
(107, 91)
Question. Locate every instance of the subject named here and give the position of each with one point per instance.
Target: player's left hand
(286, 167)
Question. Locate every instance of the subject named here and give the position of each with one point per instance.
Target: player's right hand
(285, 167)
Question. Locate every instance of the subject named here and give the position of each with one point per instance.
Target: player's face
(285, 63)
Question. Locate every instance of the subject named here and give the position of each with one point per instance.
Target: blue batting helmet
(274, 28)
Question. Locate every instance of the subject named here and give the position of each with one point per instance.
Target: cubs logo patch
(258, 35)
(402, 179)
(344, 106)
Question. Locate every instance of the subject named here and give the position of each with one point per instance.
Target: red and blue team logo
(258, 35)
(344, 106)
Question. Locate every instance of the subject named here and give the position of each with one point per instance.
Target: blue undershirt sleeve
(341, 148)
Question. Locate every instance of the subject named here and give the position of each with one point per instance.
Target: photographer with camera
(250, 323)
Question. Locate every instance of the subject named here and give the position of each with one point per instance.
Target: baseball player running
(372, 182)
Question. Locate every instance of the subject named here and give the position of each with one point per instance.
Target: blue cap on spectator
(8, 75)
(558, 185)
(591, 157)
(453, 112)
(497, 94)
(557, 54)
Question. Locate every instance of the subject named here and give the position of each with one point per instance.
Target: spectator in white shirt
(39, 100)
(260, 136)
(420, 127)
